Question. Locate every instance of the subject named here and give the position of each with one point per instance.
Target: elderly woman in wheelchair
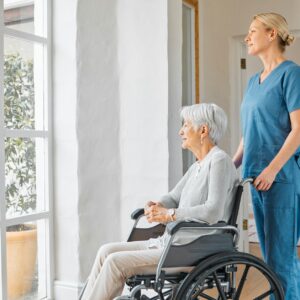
(195, 257)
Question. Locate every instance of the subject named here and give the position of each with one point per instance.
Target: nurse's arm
(291, 144)
(238, 156)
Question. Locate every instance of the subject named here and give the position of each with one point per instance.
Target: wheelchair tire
(224, 275)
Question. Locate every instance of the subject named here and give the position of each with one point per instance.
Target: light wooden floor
(255, 284)
(255, 250)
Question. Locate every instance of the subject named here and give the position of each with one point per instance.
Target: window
(25, 144)
(190, 64)
(190, 52)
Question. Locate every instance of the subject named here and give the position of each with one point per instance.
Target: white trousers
(114, 263)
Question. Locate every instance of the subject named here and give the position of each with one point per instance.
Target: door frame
(195, 6)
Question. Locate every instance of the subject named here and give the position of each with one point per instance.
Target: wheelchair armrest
(198, 248)
(144, 233)
(137, 213)
(173, 227)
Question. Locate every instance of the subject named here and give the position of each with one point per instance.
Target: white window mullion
(24, 35)
(19, 133)
(43, 215)
(48, 168)
(3, 294)
(17, 3)
(26, 218)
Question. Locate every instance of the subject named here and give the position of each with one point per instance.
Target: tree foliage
(19, 113)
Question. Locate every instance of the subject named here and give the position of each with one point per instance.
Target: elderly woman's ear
(204, 130)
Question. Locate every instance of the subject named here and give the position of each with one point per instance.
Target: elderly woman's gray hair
(208, 114)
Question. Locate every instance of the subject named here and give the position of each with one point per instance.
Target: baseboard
(66, 290)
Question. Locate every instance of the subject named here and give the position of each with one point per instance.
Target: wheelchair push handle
(247, 180)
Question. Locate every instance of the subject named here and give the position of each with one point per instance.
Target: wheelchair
(218, 270)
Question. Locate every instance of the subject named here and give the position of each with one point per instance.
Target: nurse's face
(189, 135)
(259, 38)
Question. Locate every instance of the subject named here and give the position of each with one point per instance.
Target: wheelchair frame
(221, 262)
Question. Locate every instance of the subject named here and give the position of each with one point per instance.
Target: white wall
(215, 18)
(65, 141)
(223, 25)
(117, 91)
(98, 126)
(220, 22)
(86, 137)
(143, 70)
(111, 125)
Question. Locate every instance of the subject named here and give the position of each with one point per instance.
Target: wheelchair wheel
(229, 275)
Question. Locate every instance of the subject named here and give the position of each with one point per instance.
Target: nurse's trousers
(277, 216)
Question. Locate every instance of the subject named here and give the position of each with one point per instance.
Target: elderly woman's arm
(158, 212)
(171, 200)
(222, 177)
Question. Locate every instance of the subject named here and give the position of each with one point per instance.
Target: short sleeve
(291, 88)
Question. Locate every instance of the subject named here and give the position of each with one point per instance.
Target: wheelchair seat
(218, 270)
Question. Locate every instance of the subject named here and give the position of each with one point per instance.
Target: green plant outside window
(19, 113)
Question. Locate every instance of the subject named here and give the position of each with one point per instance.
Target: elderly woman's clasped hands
(156, 212)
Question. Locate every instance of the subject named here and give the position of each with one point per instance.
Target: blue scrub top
(266, 121)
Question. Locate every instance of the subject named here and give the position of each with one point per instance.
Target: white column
(143, 67)
(65, 149)
(97, 127)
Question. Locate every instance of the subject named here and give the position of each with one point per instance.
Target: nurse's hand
(265, 179)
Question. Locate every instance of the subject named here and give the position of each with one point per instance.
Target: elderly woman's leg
(116, 262)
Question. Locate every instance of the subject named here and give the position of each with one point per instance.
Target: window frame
(194, 4)
(46, 134)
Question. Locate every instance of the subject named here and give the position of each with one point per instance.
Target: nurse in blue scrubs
(269, 149)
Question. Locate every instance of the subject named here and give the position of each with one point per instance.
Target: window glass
(27, 16)
(26, 267)
(23, 84)
(24, 176)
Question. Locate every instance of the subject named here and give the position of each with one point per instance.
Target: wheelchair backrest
(236, 206)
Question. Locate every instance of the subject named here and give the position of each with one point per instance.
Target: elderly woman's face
(190, 136)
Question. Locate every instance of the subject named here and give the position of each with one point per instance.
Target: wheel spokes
(264, 295)
(194, 292)
(236, 276)
(242, 282)
(220, 290)
(206, 296)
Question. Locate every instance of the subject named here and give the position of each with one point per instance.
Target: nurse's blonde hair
(278, 22)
